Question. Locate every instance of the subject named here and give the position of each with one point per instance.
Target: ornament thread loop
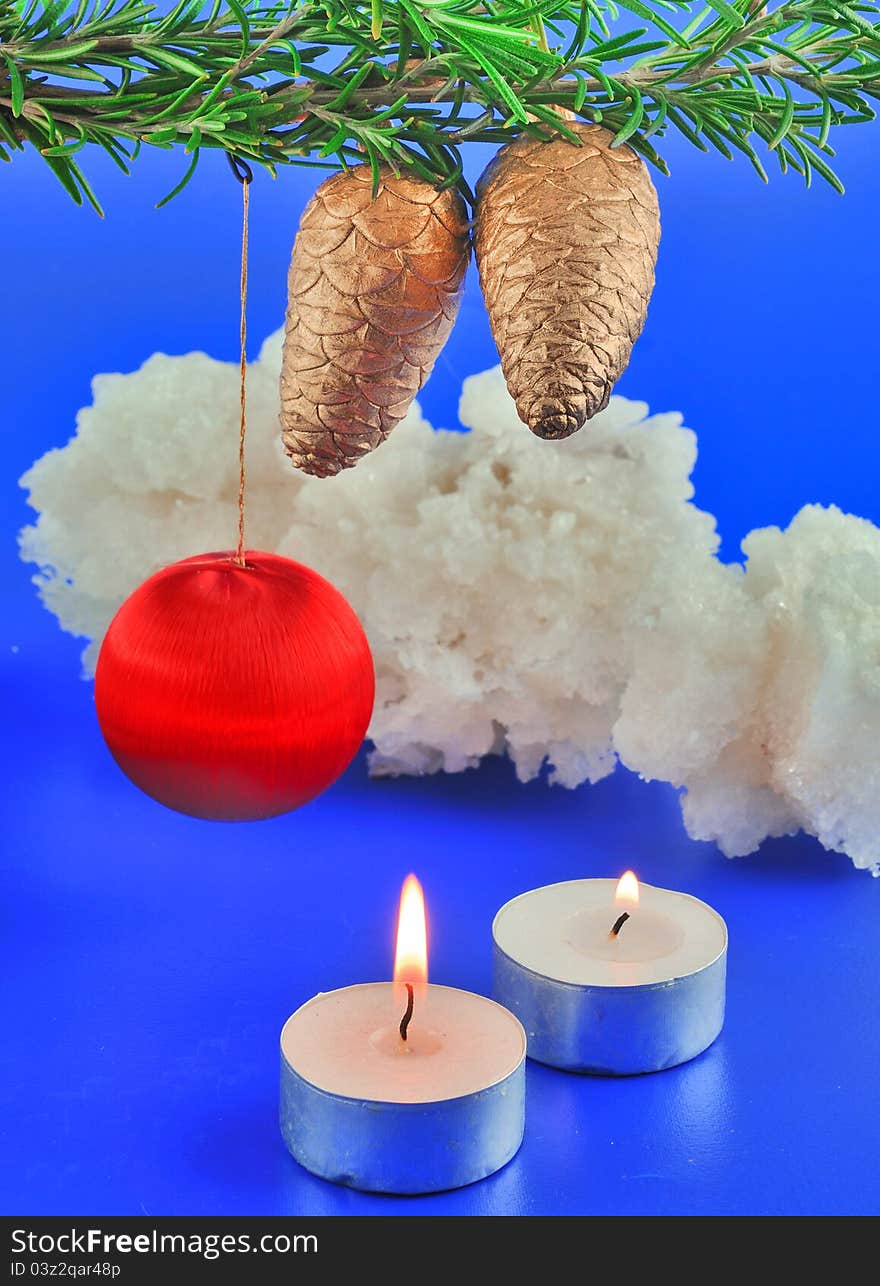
(240, 168)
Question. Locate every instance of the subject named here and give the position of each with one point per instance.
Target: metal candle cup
(646, 997)
(362, 1108)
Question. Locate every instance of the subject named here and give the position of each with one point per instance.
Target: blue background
(149, 961)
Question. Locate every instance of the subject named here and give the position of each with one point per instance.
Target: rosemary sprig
(409, 82)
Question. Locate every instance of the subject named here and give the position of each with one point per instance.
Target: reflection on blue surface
(149, 960)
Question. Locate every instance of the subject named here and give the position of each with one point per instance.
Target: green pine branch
(409, 82)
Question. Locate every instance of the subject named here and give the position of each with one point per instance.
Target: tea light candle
(403, 1087)
(612, 979)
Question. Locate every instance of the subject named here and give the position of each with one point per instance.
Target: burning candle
(403, 1086)
(611, 978)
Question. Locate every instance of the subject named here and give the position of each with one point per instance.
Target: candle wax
(348, 1042)
(563, 931)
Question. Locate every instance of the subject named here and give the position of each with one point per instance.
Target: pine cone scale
(372, 276)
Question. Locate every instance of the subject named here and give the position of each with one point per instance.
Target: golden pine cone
(566, 241)
(373, 291)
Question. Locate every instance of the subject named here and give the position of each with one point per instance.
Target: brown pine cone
(373, 291)
(566, 240)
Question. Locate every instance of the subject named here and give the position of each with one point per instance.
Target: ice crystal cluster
(563, 603)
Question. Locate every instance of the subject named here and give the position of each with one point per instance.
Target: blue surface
(148, 960)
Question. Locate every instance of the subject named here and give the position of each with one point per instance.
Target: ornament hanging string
(244, 174)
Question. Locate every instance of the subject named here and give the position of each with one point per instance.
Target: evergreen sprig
(328, 82)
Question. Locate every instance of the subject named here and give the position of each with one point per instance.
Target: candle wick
(404, 1022)
(618, 925)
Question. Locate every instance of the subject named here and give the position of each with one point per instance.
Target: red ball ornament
(234, 692)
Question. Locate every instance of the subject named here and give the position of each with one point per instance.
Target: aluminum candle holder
(360, 1108)
(606, 990)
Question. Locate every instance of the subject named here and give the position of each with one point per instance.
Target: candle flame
(627, 892)
(411, 955)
